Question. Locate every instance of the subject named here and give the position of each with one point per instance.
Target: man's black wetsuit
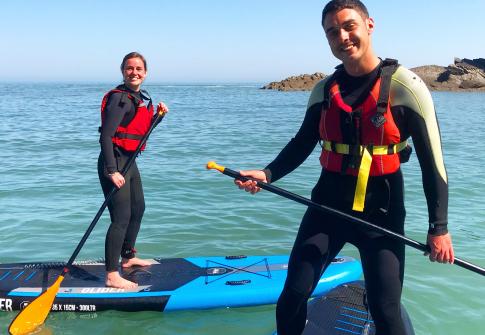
(127, 206)
(321, 236)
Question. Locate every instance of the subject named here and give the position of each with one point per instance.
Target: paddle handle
(304, 201)
(158, 118)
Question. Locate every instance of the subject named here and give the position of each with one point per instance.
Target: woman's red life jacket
(129, 137)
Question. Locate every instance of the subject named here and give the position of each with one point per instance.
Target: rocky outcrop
(463, 75)
(304, 82)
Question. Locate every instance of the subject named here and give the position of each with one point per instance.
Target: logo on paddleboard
(5, 305)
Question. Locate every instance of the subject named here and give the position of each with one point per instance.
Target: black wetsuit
(127, 206)
(321, 236)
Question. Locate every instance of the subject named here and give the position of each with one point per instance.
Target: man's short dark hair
(336, 5)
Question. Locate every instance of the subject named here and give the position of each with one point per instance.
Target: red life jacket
(373, 134)
(129, 137)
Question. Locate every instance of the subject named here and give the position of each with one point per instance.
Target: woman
(126, 115)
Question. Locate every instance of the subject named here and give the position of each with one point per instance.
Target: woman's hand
(162, 108)
(117, 179)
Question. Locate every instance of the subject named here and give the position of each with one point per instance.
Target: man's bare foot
(135, 261)
(114, 279)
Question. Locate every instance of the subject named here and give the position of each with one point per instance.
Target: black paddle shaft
(159, 117)
(362, 223)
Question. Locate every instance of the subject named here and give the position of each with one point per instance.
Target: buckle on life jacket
(378, 120)
(366, 152)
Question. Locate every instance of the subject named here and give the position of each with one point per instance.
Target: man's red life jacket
(129, 137)
(375, 142)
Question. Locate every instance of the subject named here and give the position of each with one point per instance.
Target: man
(362, 115)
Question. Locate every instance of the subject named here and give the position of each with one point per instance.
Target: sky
(219, 40)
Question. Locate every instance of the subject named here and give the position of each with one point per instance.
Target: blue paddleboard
(167, 284)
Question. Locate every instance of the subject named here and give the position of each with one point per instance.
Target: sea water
(49, 193)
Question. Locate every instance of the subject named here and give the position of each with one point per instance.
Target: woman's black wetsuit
(127, 206)
(321, 236)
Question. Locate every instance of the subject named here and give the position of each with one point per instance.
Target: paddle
(360, 222)
(36, 312)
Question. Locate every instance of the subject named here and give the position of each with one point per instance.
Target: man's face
(348, 35)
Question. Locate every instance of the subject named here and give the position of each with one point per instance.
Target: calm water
(49, 194)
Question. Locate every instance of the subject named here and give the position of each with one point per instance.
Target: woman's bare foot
(135, 261)
(114, 279)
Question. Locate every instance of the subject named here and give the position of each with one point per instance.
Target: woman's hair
(133, 54)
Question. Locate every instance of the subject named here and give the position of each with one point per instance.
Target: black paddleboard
(343, 310)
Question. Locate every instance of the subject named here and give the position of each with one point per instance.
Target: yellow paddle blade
(36, 312)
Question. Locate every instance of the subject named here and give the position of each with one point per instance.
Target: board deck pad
(166, 284)
(344, 310)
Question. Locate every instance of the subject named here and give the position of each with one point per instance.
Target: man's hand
(441, 248)
(251, 185)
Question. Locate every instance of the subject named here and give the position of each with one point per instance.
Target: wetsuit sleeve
(302, 145)
(117, 107)
(410, 94)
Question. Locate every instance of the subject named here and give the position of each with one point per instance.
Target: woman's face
(134, 73)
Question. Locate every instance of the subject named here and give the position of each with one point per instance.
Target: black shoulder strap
(326, 93)
(128, 95)
(144, 95)
(389, 66)
(326, 87)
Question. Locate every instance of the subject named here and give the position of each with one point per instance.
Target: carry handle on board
(36, 311)
(360, 222)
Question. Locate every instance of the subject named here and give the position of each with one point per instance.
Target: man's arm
(410, 94)
(303, 143)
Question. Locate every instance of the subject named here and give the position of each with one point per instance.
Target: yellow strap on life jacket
(377, 150)
(363, 177)
(365, 164)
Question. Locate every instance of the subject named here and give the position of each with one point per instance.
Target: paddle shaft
(159, 117)
(348, 217)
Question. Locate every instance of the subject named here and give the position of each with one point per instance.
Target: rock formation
(304, 82)
(463, 75)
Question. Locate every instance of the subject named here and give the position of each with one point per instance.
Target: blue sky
(219, 40)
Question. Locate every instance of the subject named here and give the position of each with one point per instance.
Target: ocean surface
(49, 193)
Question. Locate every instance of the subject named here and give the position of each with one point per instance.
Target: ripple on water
(49, 193)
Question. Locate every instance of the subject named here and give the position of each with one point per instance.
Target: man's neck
(363, 66)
